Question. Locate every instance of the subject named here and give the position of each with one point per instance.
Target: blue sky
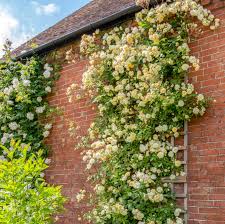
(22, 19)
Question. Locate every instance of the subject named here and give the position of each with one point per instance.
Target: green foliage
(137, 75)
(24, 87)
(25, 197)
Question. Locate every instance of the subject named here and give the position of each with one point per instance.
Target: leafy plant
(24, 86)
(25, 197)
(137, 76)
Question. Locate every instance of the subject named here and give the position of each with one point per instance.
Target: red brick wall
(206, 166)
(67, 168)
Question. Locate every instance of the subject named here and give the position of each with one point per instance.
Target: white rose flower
(160, 155)
(39, 99)
(177, 87)
(163, 90)
(8, 90)
(180, 103)
(179, 221)
(138, 214)
(177, 163)
(47, 74)
(30, 116)
(100, 189)
(177, 212)
(48, 89)
(142, 148)
(47, 161)
(42, 175)
(2, 158)
(189, 91)
(171, 154)
(80, 196)
(168, 221)
(131, 137)
(10, 102)
(140, 157)
(48, 126)
(13, 126)
(46, 134)
(200, 97)
(48, 67)
(165, 127)
(26, 82)
(174, 129)
(4, 140)
(196, 111)
(15, 83)
(175, 149)
(40, 110)
(185, 67)
(155, 145)
(159, 189)
(153, 177)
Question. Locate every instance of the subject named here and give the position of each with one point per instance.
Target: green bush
(25, 197)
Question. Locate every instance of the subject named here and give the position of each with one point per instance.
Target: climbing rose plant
(137, 78)
(23, 91)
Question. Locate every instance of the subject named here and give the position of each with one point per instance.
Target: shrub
(25, 197)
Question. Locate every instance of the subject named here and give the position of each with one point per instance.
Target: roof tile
(93, 12)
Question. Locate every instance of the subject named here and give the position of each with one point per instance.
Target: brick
(206, 152)
(206, 165)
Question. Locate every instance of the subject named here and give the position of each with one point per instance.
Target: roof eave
(73, 35)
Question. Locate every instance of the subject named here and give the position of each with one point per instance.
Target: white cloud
(10, 28)
(47, 9)
(8, 24)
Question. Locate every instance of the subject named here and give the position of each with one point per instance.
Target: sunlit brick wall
(206, 165)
